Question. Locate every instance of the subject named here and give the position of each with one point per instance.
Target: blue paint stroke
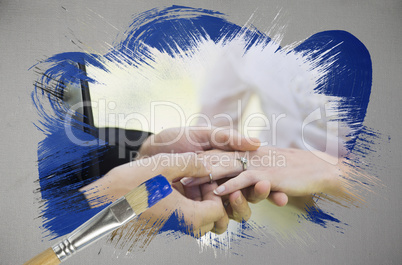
(158, 188)
(318, 216)
(60, 161)
(349, 73)
(170, 30)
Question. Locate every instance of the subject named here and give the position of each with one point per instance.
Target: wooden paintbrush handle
(47, 257)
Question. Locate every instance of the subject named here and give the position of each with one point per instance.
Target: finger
(221, 224)
(179, 187)
(259, 192)
(193, 193)
(231, 140)
(201, 213)
(227, 206)
(243, 180)
(239, 207)
(182, 165)
(278, 198)
(223, 165)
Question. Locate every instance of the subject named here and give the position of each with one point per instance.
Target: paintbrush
(109, 219)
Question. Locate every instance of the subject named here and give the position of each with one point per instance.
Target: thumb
(232, 140)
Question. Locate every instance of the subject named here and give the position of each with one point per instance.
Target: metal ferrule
(109, 219)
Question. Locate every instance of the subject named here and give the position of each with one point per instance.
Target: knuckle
(243, 214)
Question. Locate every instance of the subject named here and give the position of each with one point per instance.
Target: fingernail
(186, 180)
(239, 200)
(219, 190)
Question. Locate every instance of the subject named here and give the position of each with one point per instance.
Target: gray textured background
(34, 30)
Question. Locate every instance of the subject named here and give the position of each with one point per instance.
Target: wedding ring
(243, 161)
(210, 179)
